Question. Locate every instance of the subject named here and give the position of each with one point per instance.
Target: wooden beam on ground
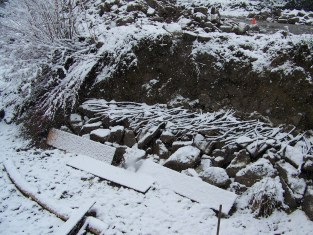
(190, 187)
(71, 225)
(136, 181)
(95, 225)
(79, 145)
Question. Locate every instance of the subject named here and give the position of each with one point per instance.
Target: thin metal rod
(219, 220)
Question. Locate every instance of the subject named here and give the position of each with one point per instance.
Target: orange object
(253, 21)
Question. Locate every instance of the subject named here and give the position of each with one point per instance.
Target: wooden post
(219, 220)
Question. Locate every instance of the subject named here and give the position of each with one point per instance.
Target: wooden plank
(190, 187)
(137, 181)
(70, 226)
(79, 145)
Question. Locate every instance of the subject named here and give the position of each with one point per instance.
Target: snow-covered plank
(79, 145)
(137, 181)
(189, 187)
(75, 218)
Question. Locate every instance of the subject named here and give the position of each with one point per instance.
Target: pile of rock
(245, 157)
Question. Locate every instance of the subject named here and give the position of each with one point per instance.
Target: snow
(261, 167)
(79, 145)
(159, 211)
(101, 132)
(189, 187)
(216, 174)
(185, 154)
(74, 219)
(294, 155)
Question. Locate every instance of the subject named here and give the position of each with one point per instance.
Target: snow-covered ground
(159, 211)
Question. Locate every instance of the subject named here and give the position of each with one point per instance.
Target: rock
(264, 197)
(199, 17)
(216, 176)
(241, 29)
(282, 21)
(203, 10)
(205, 163)
(117, 134)
(100, 135)
(119, 155)
(161, 150)
(149, 134)
(259, 147)
(307, 205)
(294, 156)
(241, 160)
(76, 122)
(294, 20)
(204, 145)
(290, 176)
(167, 11)
(87, 128)
(2, 114)
(184, 158)
(237, 188)
(289, 198)
(226, 28)
(125, 20)
(167, 137)
(178, 144)
(255, 172)
(136, 7)
(308, 164)
(129, 138)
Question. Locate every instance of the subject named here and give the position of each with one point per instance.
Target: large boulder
(184, 158)
(216, 176)
(241, 160)
(255, 172)
(167, 137)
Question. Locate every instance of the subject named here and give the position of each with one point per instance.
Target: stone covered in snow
(239, 162)
(263, 197)
(87, 128)
(167, 137)
(255, 172)
(308, 164)
(129, 138)
(290, 176)
(184, 158)
(76, 122)
(148, 134)
(204, 145)
(216, 176)
(294, 155)
(179, 144)
(117, 134)
(100, 135)
(161, 150)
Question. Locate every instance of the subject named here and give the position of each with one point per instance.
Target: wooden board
(79, 145)
(190, 187)
(71, 224)
(137, 181)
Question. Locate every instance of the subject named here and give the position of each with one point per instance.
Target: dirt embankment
(167, 70)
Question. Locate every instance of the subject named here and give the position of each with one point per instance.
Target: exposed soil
(166, 70)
